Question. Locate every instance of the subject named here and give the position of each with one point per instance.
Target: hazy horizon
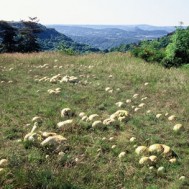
(98, 12)
(114, 25)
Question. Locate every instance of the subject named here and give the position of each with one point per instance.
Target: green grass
(98, 165)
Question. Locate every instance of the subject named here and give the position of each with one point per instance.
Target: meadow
(92, 155)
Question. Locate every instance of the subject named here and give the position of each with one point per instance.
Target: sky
(98, 12)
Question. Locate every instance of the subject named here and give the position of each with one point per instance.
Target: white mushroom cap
(132, 139)
(128, 101)
(158, 115)
(135, 95)
(153, 158)
(166, 150)
(3, 163)
(93, 116)
(182, 178)
(37, 119)
(157, 148)
(173, 160)
(141, 149)
(119, 104)
(64, 123)
(82, 114)
(121, 155)
(97, 124)
(144, 161)
(172, 117)
(141, 105)
(161, 170)
(178, 127)
(66, 112)
(53, 140)
(113, 146)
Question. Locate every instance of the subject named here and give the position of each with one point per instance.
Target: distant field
(93, 156)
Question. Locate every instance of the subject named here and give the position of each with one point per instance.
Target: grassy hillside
(89, 158)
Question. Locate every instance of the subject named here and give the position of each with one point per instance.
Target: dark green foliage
(171, 50)
(14, 39)
(177, 52)
(71, 48)
(8, 34)
(28, 38)
(150, 51)
(123, 48)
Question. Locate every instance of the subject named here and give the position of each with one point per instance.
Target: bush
(177, 52)
(149, 54)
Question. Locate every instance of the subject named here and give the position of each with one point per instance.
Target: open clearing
(92, 151)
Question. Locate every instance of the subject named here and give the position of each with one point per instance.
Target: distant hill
(107, 37)
(50, 39)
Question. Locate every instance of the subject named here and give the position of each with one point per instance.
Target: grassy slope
(167, 92)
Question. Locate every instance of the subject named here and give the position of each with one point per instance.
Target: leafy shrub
(149, 51)
(177, 52)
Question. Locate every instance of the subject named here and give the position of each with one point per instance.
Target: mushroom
(113, 146)
(132, 139)
(3, 163)
(166, 150)
(37, 119)
(121, 115)
(158, 115)
(145, 161)
(84, 118)
(97, 124)
(135, 95)
(141, 105)
(178, 127)
(156, 148)
(53, 140)
(93, 116)
(136, 109)
(120, 104)
(47, 134)
(128, 101)
(141, 150)
(173, 160)
(161, 170)
(65, 123)
(171, 118)
(82, 114)
(66, 112)
(144, 98)
(182, 178)
(153, 159)
(32, 136)
(109, 121)
(148, 111)
(121, 155)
